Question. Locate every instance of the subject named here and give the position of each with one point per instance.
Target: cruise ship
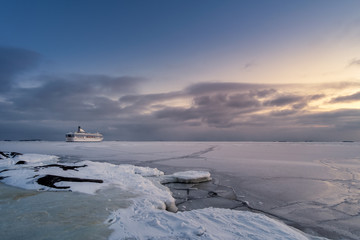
(82, 136)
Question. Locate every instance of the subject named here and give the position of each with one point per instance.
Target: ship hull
(80, 139)
(84, 137)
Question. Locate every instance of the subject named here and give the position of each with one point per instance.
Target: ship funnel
(80, 129)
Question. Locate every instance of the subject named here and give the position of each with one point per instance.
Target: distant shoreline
(223, 141)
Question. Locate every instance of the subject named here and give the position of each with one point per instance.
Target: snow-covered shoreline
(146, 217)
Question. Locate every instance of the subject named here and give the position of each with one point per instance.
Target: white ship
(82, 136)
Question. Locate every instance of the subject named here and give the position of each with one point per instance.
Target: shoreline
(210, 194)
(214, 194)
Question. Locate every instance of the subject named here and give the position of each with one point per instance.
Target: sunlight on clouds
(330, 103)
(180, 102)
(335, 106)
(175, 103)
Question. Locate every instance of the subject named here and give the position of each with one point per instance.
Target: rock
(20, 162)
(64, 167)
(50, 180)
(9, 154)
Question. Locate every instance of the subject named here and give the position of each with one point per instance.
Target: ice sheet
(145, 217)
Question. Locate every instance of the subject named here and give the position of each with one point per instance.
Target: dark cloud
(221, 110)
(248, 65)
(204, 100)
(209, 110)
(89, 84)
(252, 105)
(76, 97)
(14, 61)
(348, 98)
(178, 114)
(242, 101)
(210, 100)
(216, 87)
(283, 100)
(283, 113)
(261, 90)
(215, 104)
(218, 110)
(343, 121)
(264, 93)
(300, 105)
(316, 96)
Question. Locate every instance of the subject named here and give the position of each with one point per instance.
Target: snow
(209, 223)
(145, 217)
(31, 159)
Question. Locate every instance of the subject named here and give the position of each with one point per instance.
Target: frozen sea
(256, 187)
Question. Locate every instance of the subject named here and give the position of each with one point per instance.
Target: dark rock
(63, 167)
(9, 154)
(20, 162)
(2, 155)
(14, 154)
(50, 180)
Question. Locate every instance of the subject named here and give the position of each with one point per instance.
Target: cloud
(149, 98)
(205, 111)
(211, 100)
(333, 85)
(89, 84)
(202, 111)
(216, 87)
(71, 97)
(217, 110)
(215, 104)
(14, 61)
(221, 110)
(242, 101)
(264, 93)
(232, 105)
(316, 96)
(340, 119)
(283, 100)
(178, 114)
(283, 113)
(249, 65)
(354, 62)
(348, 98)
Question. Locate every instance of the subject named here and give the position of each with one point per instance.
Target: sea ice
(145, 218)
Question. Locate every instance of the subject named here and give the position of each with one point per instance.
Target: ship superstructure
(82, 136)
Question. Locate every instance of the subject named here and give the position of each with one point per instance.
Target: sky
(159, 70)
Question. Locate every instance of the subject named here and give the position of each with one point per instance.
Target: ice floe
(187, 177)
